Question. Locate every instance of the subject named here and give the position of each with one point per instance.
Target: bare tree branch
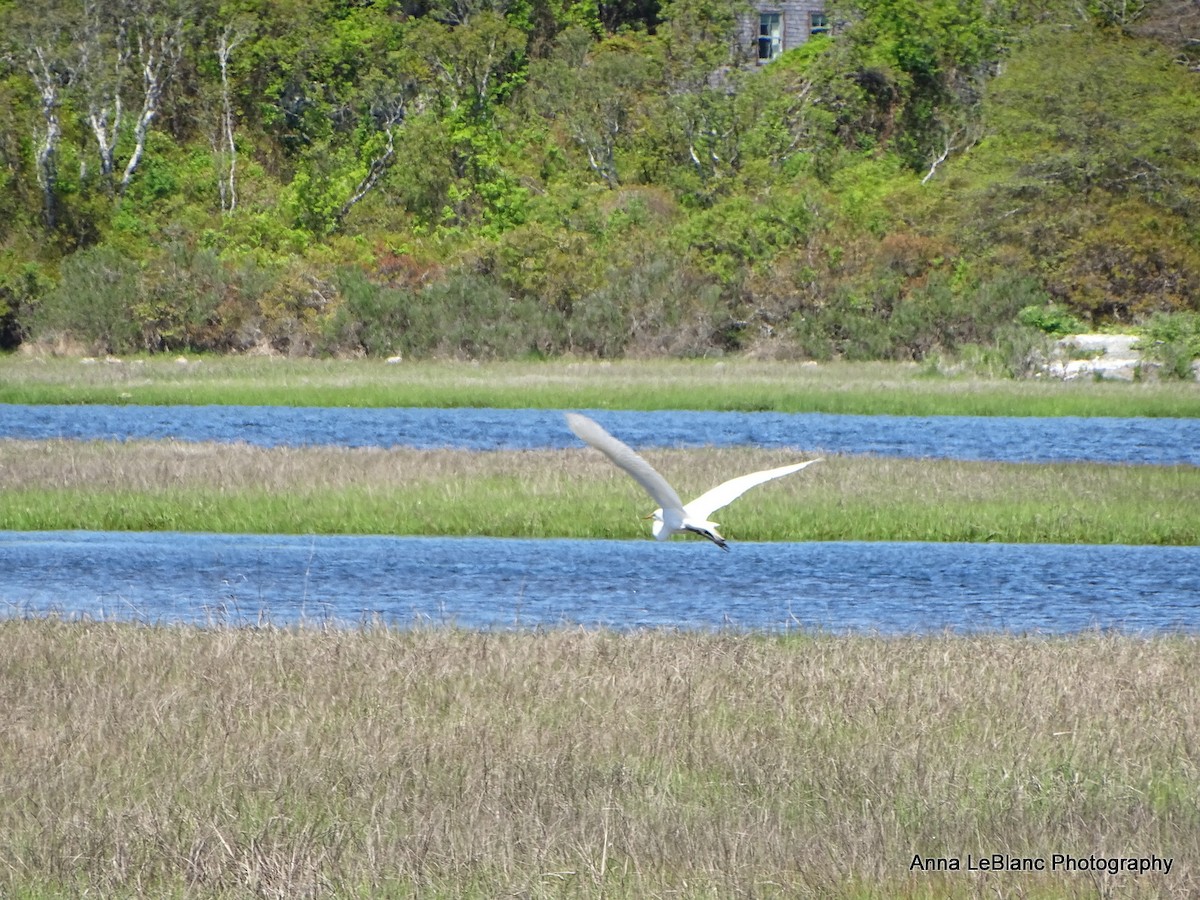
(158, 53)
(228, 41)
(46, 155)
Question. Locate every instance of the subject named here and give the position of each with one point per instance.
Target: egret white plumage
(673, 516)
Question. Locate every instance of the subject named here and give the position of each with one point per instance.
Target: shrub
(181, 295)
(556, 264)
(889, 319)
(94, 302)
(22, 284)
(291, 310)
(371, 319)
(1051, 318)
(1174, 340)
(1014, 352)
(654, 306)
(742, 232)
(464, 315)
(467, 315)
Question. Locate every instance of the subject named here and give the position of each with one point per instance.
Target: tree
(1090, 173)
(467, 73)
(42, 41)
(107, 63)
(119, 39)
(596, 93)
(931, 59)
(225, 146)
(48, 83)
(470, 65)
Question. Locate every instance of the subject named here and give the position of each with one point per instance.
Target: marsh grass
(170, 485)
(311, 762)
(733, 384)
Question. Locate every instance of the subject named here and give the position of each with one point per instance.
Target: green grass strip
(735, 384)
(577, 493)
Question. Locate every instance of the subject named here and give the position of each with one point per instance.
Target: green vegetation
(237, 763)
(506, 181)
(1052, 319)
(147, 486)
(733, 384)
(1174, 340)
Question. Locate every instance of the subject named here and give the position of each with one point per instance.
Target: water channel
(1154, 441)
(502, 583)
(889, 588)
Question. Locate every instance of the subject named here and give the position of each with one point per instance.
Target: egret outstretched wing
(724, 494)
(625, 458)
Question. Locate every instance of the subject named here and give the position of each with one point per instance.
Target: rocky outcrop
(1099, 356)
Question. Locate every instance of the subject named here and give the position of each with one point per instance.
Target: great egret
(672, 515)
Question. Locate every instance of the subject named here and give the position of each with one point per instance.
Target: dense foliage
(503, 178)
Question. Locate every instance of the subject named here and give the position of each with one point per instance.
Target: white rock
(1113, 356)
(1108, 344)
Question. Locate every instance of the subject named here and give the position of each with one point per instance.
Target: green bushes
(745, 231)
(1052, 318)
(1174, 340)
(580, 182)
(464, 315)
(94, 302)
(179, 298)
(22, 284)
(546, 292)
(184, 299)
(471, 316)
(658, 308)
(371, 319)
(1086, 175)
(885, 319)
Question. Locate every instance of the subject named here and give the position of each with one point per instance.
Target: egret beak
(651, 516)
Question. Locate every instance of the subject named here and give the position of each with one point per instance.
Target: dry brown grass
(163, 465)
(173, 761)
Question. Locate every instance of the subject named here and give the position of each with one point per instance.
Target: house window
(770, 36)
(818, 23)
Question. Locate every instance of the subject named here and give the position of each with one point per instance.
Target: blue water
(1154, 441)
(490, 583)
(888, 588)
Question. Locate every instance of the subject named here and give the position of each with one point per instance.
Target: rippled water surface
(492, 583)
(1020, 439)
(500, 583)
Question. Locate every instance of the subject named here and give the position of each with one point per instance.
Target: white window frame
(770, 35)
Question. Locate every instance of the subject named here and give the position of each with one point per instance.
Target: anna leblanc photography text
(1058, 862)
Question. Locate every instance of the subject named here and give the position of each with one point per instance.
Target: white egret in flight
(672, 515)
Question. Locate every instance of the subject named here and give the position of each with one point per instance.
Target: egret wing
(623, 456)
(725, 493)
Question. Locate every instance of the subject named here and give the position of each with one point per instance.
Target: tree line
(535, 177)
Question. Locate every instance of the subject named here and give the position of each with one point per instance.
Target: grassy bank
(185, 762)
(577, 493)
(661, 384)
